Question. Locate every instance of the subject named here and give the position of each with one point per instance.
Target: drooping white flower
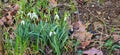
(32, 15)
(56, 17)
(65, 18)
(22, 22)
(29, 14)
(52, 33)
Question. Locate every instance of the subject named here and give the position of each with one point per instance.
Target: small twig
(59, 5)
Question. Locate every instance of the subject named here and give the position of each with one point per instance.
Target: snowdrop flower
(22, 22)
(29, 14)
(32, 15)
(65, 18)
(56, 17)
(52, 33)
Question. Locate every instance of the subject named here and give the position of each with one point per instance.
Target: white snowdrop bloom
(29, 14)
(32, 15)
(56, 17)
(52, 33)
(22, 22)
(65, 18)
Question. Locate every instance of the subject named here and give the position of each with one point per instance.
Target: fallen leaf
(84, 44)
(4, 19)
(16, 7)
(10, 22)
(89, 36)
(115, 37)
(1, 22)
(75, 26)
(9, 16)
(79, 26)
(81, 34)
(93, 51)
(52, 3)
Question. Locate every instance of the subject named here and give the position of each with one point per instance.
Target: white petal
(54, 32)
(50, 34)
(22, 22)
(28, 14)
(65, 18)
(57, 17)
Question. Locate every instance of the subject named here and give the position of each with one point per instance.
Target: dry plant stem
(94, 42)
(98, 32)
(101, 40)
(58, 5)
(78, 12)
(1, 42)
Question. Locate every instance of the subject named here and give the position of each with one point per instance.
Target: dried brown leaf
(52, 3)
(115, 37)
(84, 44)
(89, 35)
(9, 16)
(10, 22)
(16, 7)
(1, 22)
(4, 19)
(93, 51)
(79, 26)
(81, 34)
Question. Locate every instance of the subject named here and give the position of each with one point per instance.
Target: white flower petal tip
(22, 22)
(52, 33)
(32, 15)
(56, 17)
